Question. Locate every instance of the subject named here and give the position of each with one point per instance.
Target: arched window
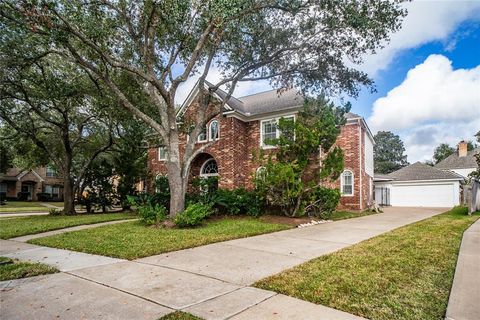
(346, 183)
(260, 173)
(209, 168)
(214, 130)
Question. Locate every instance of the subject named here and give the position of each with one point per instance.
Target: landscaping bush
(238, 201)
(193, 215)
(324, 201)
(150, 213)
(23, 196)
(203, 190)
(42, 196)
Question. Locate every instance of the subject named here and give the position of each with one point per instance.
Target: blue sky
(427, 78)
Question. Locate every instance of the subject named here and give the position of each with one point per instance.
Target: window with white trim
(55, 192)
(202, 136)
(209, 168)
(48, 189)
(214, 130)
(269, 130)
(347, 183)
(260, 173)
(162, 153)
(50, 172)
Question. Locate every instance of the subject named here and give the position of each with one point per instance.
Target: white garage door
(425, 195)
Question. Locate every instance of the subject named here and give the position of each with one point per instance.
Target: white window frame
(257, 172)
(206, 135)
(50, 172)
(206, 175)
(210, 130)
(277, 131)
(164, 158)
(342, 184)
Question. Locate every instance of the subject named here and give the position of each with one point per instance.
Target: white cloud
(434, 104)
(426, 21)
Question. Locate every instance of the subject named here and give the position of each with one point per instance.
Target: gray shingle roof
(271, 101)
(453, 161)
(268, 101)
(420, 171)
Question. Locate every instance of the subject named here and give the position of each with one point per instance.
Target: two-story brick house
(244, 128)
(29, 183)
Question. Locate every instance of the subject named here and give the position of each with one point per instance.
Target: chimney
(462, 149)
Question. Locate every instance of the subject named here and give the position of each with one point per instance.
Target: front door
(27, 188)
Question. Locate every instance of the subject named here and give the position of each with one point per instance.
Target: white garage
(418, 185)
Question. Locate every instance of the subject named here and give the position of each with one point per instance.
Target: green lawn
(14, 269)
(133, 240)
(19, 226)
(179, 315)
(27, 206)
(404, 274)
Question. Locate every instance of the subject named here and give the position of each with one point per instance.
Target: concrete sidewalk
(464, 301)
(213, 281)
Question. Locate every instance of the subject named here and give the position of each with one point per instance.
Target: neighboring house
(26, 184)
(244, 129)
(418, 185)
(462, 162)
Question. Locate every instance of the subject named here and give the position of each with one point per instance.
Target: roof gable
(453, 161)
(420, 171)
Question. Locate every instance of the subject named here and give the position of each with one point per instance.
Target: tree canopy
(311, 44)
(388, 152)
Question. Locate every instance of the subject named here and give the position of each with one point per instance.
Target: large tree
(388, 152)
(312, 44)
(442, 151)
(61, 112)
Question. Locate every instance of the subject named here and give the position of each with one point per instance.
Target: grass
(404, 274)
(133, 240)
(179, 315)
(27, 206)
(19, 226)
(13, 269)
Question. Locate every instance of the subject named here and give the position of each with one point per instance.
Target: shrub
(324, 201)
(204, 190)
(55, 212)
(42, 196)
(238, 201)
(23, 196)
(193, 215)
(151, 215)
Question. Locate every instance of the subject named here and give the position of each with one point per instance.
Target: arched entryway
(209, 169)
(203, 167)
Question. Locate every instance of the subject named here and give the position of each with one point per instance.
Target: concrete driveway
(210, 281)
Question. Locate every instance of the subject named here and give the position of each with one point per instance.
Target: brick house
(31, 182)
(243, 129)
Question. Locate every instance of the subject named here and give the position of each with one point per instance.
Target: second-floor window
(214, 130)
(202, 136)
(51, 172)
(269, 131)
(162, 153)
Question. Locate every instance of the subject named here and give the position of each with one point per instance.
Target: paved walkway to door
(211, 281)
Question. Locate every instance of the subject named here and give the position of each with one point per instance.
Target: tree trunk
(68, 196)
(177, 190)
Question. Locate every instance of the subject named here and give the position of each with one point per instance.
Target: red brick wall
(240, 141)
